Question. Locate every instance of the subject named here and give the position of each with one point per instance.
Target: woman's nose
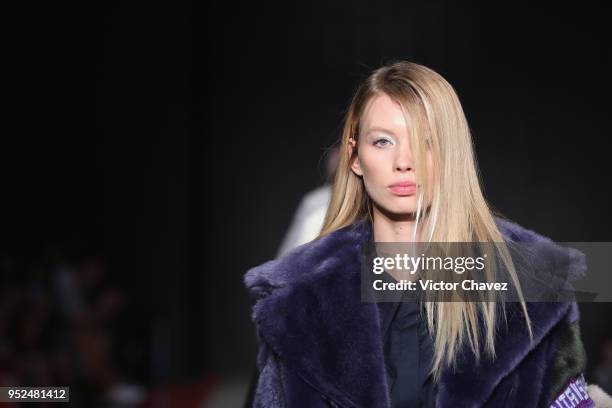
(403, 166)
(403, 159)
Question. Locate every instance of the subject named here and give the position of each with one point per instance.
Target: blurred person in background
(310, 214)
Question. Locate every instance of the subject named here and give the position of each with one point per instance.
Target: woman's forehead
(384, 114)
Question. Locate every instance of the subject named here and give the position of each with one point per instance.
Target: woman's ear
(355, 164)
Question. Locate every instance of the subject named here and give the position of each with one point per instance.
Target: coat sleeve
(569, 388)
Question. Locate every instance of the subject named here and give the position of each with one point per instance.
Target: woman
(407, 173)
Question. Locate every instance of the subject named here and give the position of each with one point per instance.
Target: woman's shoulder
(307, 262)
(547, 257)
(556, 321)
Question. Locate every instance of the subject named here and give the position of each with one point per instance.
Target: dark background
(173, 140)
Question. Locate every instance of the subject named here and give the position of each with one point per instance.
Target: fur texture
(321, 346)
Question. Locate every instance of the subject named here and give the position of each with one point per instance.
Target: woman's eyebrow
(379, 129)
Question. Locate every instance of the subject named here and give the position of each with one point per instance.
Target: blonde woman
(407, 173)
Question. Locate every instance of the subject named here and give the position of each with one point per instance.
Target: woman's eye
(382, 142)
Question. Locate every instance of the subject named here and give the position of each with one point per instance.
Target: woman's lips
(403, 189)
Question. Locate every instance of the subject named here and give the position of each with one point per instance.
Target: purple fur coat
(320, 346)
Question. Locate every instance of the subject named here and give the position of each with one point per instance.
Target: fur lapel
(310, 313)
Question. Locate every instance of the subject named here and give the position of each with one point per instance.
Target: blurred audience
(60, 325)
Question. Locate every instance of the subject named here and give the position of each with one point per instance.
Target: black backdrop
(175, 139)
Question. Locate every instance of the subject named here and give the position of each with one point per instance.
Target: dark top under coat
(408, 352)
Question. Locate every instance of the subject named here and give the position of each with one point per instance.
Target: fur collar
(309, 312)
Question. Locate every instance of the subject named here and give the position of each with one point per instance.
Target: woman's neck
(387, 228)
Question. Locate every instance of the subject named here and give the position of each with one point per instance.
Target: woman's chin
(399, 213)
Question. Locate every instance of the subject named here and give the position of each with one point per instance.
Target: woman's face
(385, 160)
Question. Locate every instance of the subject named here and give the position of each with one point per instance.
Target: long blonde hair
(458, 211)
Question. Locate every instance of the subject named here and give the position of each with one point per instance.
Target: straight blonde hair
(458, 211)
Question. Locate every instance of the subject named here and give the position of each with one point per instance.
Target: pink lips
(405, 188)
